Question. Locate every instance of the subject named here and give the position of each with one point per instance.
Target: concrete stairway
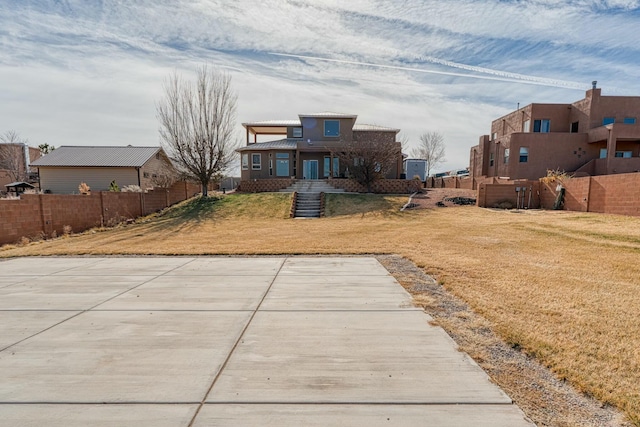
(312, 186)
(308, 203)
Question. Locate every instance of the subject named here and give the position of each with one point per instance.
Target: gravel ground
(546, 400)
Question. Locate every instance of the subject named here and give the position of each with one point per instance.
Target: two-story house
(308, 149)
(597, 135)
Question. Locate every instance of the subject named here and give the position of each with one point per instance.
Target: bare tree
(431, 149)
(12, 157)
(369, 159)
(197, 123)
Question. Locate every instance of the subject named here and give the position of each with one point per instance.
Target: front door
(310, 169)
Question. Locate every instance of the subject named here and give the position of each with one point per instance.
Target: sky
(90, 72)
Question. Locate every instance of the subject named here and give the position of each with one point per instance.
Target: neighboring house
(15, 160)
(597, 135)
(62, 170)
(309, 148)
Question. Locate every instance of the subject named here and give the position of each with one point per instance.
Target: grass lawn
(563, 287)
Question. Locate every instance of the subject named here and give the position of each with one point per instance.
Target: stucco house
(307, 147)
(597, 135)
(62, 170)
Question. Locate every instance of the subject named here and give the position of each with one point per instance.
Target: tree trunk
(205, 190)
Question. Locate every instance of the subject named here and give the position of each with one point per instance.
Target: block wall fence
(383, 186)
(47, 215)
(611, 194)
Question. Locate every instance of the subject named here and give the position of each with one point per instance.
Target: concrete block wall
(40, 215)
(490, 195)
(264, 185)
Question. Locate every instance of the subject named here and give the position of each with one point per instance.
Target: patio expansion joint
(235, 345)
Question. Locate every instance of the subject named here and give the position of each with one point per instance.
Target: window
(336, 166)
(524, 154)
(542, 126)
(623, 154)
(327, 166)
(629, 121)
(490, 159)
(603, 153)
(332, 128)
(506, 156)
(297, 132)
(245, 161)
(494, 136)
(608, 121)
(270, 166)
(256, 161)
(145, 174)
(526, 125)
(574, 127)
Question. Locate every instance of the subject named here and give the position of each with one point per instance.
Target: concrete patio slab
(231, 415)
(38, 415)
(58, 292)
(118, 356)
(194, 293)
(18, 325)
(134, 266)
(229, 267)
(334, 266)
(354, 357)
(146, 341)
(336, 293)
(42, 266)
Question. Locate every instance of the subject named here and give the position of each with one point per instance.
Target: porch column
(612, 143)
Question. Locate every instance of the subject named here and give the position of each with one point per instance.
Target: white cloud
(77, 72)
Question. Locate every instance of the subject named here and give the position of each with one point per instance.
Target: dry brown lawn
(563, 287)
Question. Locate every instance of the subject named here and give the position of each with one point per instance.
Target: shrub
(83, 188)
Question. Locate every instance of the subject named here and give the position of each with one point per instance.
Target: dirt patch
(438, 197)
(546, 400)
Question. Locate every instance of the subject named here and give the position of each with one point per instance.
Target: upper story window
(256, 161)
(490, 159)
(526, 125)
(542, 125)
(506, 156)
(574, 127)
(629, 121)
(608, 121)
(624, 154)
(494, 136)
(297, 132)
(332, 128)
(524, 154)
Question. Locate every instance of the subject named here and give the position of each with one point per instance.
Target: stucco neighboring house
(597, 135)
(62, 170)
(308, 149)
(15, 161)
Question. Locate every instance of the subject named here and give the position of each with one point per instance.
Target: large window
(542, 125)
(524, 154)
(608, 121)
(245, 161)
(332, 128)
(256, 161)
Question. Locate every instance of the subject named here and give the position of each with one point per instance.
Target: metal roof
(330, 114)
(374, 128)
(276, 123)
(127, 156)
(281, 144)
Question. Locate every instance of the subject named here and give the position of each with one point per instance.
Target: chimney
(594, 84)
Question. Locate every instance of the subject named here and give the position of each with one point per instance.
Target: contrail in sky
(497, 75)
